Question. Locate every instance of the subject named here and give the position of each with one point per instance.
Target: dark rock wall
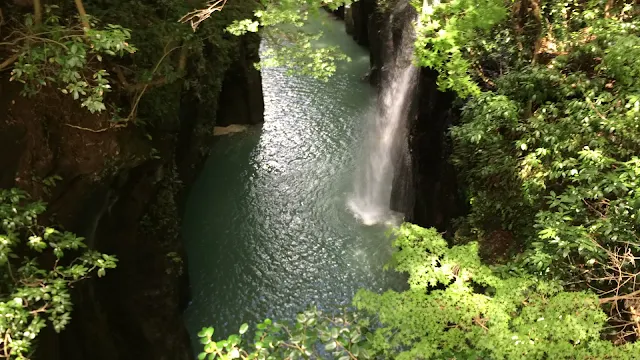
(365, 23)
(242, 87)
(360, 11)
(438, 199)
(122, 189)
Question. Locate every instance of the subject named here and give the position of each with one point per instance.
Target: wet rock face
(242, 87)
(435, 194)
(123, 192)
(360, 12)
(438, 199)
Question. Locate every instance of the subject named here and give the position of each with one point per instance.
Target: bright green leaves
(443, 33)
(336, 337)
(32, 294)
(459, 308)
(113, 40)
(282, 26)
(288, 44)
(296, 51)
(619, 61)
(551, 153)
(70, 60)
(240, 27)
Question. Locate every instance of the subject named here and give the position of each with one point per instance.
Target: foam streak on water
(371, 199)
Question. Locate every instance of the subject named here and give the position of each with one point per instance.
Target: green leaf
(355, 337)
(206, 332)
(300, 318)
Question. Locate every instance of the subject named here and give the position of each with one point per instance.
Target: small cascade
(371, 198)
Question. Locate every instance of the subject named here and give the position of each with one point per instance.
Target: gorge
(273, 223)
(267, 227)
(464, 187)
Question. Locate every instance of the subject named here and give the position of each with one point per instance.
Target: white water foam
(371, 198)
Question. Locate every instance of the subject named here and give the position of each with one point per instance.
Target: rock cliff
(122, 188)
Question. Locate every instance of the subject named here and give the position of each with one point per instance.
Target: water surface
(267, 226)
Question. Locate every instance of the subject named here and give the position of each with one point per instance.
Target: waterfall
(371, 198)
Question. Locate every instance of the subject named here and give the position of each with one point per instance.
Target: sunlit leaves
(289, 45)
(561, 174)
(33, 294)
(296, 51)
(469, 310)
(63, 57)
(443, 31)
(314, 334)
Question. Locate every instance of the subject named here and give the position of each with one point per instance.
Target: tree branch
(607, 9)
(37, 12)
(91, 130)
(182, 64)
(195, 17)
(535, 8)
(161, 81)
(9, 61)
(83, 15)
(620, 297)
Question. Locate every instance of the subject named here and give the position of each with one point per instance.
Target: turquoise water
(267, 227)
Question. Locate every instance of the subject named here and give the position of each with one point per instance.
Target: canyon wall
(122, 188)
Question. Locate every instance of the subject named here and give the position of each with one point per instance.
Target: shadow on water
(267, 228)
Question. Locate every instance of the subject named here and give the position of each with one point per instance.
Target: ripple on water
(267, 227)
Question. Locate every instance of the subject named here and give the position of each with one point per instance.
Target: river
(267, 227)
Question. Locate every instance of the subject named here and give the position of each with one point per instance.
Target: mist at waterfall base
(386, 141)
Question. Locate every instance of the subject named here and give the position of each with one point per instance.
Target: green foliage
(297, 52)
(548, 151)
(41, 265)
(442, 35)
(63, 55)
(313, 335)
(458, 308)
(559, 146)
(282, 26)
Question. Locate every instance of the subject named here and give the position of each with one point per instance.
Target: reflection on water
(267, 227)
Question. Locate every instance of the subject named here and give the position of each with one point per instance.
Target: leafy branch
(64, 56)
(33, 293)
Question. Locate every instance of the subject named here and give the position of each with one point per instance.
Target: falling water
(371, 199)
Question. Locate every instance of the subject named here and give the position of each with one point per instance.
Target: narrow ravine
(267, 226)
